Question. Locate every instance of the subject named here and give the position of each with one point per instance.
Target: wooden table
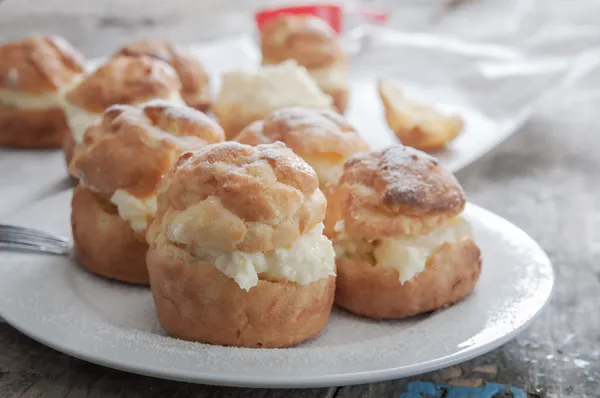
(546, 179)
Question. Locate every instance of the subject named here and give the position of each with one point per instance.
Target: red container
(330, 13)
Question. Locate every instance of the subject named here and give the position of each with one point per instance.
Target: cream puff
(120, 163)
(195, 85)
(249, 95)
(237, 256)
(416, 124)
(313, 44)
(34, 74)
(121, 80)
(402, 246)
(323, 138)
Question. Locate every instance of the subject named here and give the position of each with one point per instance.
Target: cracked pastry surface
(121, 80)
(35, 72)
(120, 163)
(313, 44)
(195, 84)
(417, 125)
(250, 220)
(323, 138)
(249, 95)
(402, 247)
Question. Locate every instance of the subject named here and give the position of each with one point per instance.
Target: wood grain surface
(545, 179)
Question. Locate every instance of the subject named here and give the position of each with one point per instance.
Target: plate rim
(330, 380)
(338, 380)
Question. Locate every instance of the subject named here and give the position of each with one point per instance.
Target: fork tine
(34, 247)
(31, 232)
(42, 245)
(21, 238)
(32, 239)
(17, 235)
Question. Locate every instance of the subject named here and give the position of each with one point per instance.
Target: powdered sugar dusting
(415, 178)
(178, 110)
(407, 170)
(54, 300)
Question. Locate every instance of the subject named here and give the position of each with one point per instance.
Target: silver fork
(21, 238)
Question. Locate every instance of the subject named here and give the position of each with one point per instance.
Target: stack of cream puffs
(35, 72)
(248, 242)
(314, 45)
(119, 163)
(121, 80)
(237, 255)
(402, 246)
(323, 138)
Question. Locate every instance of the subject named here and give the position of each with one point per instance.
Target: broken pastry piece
(237, 252)
(120, 163)
(402, 246)
(417, 125)
(323, 138)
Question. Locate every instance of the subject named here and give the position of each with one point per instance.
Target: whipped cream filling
(79, 120)
(272, 87)
(28, 101)
(309, 259)
(38, 101)
(138, 211)
(407, 254)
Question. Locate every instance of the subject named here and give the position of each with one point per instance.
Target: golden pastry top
(305, 38)
(191, 72)
(38, 64)
(132, 147)
(308, 132)
(230, 197)
(125, 80)
(390, 193)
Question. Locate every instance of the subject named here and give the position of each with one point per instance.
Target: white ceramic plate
(55, 302)
(27, 176)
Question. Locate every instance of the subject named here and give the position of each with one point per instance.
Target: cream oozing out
(139, 212)
(308, 259)
(30, 101)
(408, 254)
(79, 120)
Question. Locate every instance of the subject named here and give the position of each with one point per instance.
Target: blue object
(420, 389)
